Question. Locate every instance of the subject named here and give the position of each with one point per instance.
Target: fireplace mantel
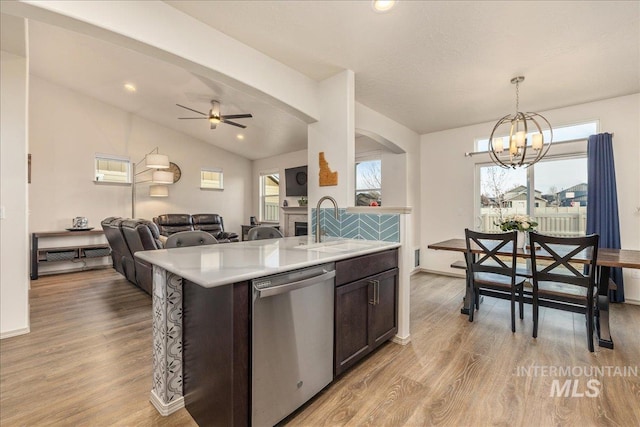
(293, 214)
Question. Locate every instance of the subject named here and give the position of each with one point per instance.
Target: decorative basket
(97, 252)
(60, 255)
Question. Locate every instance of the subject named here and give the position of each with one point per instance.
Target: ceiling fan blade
(192, 118)
(191, 109)
(236, 116)
(233, 123)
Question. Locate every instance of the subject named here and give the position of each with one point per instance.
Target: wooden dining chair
(556, 278)
(488, 270)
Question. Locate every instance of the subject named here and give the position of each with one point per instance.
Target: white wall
(447, 178)
(400, 173)
(67, 129)
(275, 164)
(14, 245)
(334, 134)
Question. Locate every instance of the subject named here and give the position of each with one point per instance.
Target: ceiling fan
(214, 116)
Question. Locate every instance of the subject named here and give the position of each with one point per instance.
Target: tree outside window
(369, 183)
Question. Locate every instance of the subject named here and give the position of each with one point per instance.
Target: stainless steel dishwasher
(292, 341)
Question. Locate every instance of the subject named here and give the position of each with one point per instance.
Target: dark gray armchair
(189, 238)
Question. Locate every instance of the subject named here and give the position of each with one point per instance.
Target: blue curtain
(602, 201)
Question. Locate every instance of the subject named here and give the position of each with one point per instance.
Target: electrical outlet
(635, 274)
(1, 212)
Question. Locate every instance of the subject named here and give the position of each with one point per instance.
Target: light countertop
(221, 264)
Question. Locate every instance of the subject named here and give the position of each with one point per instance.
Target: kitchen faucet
(335, 213)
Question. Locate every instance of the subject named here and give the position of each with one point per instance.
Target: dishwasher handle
(288, 287)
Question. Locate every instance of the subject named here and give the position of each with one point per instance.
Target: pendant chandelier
(526, 143)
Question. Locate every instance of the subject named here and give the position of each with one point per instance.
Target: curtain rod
(473, 153)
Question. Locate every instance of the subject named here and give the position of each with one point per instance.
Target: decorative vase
(522, 240)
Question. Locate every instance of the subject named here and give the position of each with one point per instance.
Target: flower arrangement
(517, 222)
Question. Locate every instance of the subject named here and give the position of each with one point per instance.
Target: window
(112, 169)
(556, 187)
(368, 183)
(560, 134)
(269, 197)
(553, 191)
(211, 179)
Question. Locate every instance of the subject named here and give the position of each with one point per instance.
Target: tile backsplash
(363, 226)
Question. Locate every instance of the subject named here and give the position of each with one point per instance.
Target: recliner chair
(173, 223)
(141, 235)
(214, 225)
(120, 254)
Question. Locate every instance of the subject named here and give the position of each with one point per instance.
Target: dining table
(607, 259)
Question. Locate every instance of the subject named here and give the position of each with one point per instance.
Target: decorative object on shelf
(522, 147)
(80, 222)
(520, 223)
(327, 176)
(285, 203)
(252, 220)
(303, 201)
(159, 177)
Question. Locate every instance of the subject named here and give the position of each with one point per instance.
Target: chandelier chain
(517, 96)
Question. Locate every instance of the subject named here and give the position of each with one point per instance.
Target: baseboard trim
(402, 341)
(163, 408)
(632, 301)
(443, 273)
(15, 333)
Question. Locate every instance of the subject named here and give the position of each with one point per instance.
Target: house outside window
(368, 183)
(269, 197)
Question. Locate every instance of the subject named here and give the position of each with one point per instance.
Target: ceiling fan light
(157, 161)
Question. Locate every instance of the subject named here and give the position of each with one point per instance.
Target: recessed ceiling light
(240, 136)
(383, 5)
(130, 87)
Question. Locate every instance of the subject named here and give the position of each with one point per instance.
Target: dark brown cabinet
(366, 306)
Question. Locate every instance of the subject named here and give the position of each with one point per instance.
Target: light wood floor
(87, 362)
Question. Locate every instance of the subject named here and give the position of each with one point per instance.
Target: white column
(405, 265)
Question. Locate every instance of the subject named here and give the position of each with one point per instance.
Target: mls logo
(571, 388)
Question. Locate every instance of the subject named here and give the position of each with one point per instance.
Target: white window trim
(530, 177)
(261, 196)
(105, 156)
(212, 169)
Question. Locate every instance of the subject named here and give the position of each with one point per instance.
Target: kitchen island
(226, 270)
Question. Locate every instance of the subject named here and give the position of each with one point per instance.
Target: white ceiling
(427, 65)
(100, 69)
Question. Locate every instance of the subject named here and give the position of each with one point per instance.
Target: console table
(65, 253)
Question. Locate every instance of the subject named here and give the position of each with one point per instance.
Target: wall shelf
(65, 253)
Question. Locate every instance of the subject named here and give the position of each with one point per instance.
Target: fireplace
(300, 228)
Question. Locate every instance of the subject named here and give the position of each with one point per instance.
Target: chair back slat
(561, 250)
(488, 261)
